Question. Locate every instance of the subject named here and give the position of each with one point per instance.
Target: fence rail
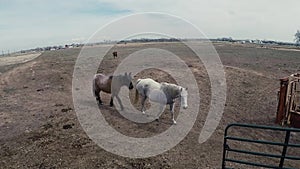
(282, 156)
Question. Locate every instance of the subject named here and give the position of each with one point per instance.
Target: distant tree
(297, 37)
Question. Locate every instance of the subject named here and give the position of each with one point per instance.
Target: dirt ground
(39, 127)
(9, 60)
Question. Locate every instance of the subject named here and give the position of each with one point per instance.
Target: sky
(26, 24)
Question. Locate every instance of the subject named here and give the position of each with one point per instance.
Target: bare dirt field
(9, 60)
(39, 127)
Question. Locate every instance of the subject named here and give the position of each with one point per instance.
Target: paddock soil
(39, 127)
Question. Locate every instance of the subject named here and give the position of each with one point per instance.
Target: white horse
(163, 93)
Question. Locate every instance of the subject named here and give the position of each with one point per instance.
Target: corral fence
(288, 110)
(278, 156)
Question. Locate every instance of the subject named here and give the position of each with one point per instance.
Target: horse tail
(136, 98)
(94, 86)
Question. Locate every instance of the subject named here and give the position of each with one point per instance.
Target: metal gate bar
(253, 164)
(262, 142)
(282, 157)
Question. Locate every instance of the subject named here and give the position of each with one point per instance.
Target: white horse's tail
(94, 86)
(136, 98)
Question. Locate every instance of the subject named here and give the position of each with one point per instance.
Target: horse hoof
(174, 122)
(143, 112)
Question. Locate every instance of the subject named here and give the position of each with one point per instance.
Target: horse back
(145, 86)
(147, 83)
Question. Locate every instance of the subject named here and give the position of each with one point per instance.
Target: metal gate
(288, 110)
(281, 156)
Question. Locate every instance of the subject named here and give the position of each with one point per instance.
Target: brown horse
(115, 54)
(110, 84)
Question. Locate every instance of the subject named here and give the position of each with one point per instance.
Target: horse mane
(170, 90)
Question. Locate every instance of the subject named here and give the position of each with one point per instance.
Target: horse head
(128, 80)
(183, 97)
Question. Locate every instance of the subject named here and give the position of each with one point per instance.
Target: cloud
(31, 23)
(263, 19)
(35, 22)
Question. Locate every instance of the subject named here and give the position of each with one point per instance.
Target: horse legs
(172, 105)
(161, 109)
(97, 95)
(120, 102)
(143, 104)
(111, 101)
